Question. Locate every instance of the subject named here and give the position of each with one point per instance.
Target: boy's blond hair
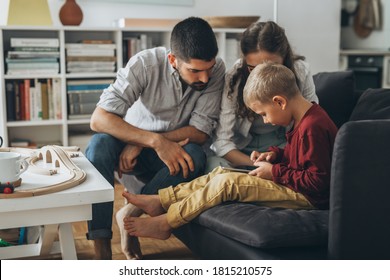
(268, 80)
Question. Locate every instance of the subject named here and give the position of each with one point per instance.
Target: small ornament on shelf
(71, 13)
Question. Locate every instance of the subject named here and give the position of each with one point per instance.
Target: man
(170, 101)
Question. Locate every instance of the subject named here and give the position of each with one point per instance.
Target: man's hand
(264, 170)
(174, 156)
(128, 159)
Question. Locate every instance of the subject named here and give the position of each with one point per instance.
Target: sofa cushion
(335, 91)
(374, 104)
(265, 227)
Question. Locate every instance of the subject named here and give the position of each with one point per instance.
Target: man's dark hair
(193, 38)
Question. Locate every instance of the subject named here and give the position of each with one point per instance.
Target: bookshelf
(65, 129)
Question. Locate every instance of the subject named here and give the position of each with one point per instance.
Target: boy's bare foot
(149, 203)
(154, 227)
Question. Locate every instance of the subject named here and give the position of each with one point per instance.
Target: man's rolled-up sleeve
(126, 89)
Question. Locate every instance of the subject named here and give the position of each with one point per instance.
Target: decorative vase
(71, 13)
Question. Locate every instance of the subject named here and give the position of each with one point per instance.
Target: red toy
(7, 188)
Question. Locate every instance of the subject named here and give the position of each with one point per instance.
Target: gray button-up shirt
(148, 94)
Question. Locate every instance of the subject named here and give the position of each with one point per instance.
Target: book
(36, 101)
(88, 52)
(90, 63)
(20, 142)
(11, 100)
(48, 65)
(26, 99)
(32, 104)
(35, 42)
(22, 54)
(93, 97)
(96, 41)
(57, 103)
(71, 46)
(22, 101)
(50, 99)
(90, 82)
(79, 117)
(81, 108)
(91, 69)
(32, 60)
(32, 71)
(135, 44)
(45, 101)
(91, 58)
(92, 91)
(87, 87)
(35, 49)
(17, 100)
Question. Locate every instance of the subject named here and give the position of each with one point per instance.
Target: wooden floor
(152, 249)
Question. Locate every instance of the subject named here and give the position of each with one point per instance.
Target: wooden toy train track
(57, 158)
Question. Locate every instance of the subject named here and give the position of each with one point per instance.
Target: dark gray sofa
(357, 225)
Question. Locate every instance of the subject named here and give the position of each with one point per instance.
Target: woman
(240, 131)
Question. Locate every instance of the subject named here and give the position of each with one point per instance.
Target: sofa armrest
(359, 218)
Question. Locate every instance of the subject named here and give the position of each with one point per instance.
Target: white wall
(378, 39)
(313, 29)
(103, 13)
(313, 26)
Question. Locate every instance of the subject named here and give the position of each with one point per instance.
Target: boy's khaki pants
(188, 200)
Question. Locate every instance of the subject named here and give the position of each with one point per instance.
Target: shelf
(38, 76)
(89, 75)
(34, 123)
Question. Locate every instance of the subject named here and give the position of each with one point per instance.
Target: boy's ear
(172, 60)
(280, 101)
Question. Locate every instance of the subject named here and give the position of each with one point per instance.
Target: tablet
(242, 168)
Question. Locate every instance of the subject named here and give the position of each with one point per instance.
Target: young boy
(297, 176)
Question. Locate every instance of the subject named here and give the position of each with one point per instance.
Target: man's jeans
(103, 152)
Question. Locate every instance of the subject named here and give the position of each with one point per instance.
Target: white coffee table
(55, 212)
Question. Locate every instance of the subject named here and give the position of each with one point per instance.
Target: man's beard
(198, 86)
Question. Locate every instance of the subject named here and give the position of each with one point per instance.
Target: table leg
(68, 248)
(48, 236)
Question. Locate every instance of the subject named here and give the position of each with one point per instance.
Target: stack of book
(90, 56)
(32, 56)
(83, 95)
(36, 99)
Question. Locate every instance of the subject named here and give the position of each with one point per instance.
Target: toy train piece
(7, 188)
(58, 157)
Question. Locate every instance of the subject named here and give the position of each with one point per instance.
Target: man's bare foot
(150, 204)
(154, 227)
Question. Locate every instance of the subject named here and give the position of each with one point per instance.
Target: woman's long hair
(260, 36)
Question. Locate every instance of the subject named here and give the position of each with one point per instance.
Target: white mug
(11, 166)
